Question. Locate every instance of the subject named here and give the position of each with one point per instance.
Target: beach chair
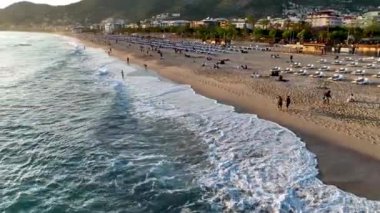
(302, 72)
(377, 75)
(255, 75)
(337, 77)
(276, 69)
(297, 65)
(323, 61)
(343, 70)
(361, 81)
(318, 74)
(358, 72)
(288, 70)
(371, 66)
(348, 59)
(337, 62)
(325, 68)
(310, 66)
(353, 64)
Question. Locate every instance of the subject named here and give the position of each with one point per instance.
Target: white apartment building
(324, 18)
(370, 17)
(350, 21)
(241, 23)
(175, 23)
(111, 25)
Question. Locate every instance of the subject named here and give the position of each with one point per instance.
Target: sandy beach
(344, 136)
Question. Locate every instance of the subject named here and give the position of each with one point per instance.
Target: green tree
(251, 20)
(338, 36)
(260, 33)
(304, 35)
(373, 29)
(357, 33)
(323, 36)
(265, 23)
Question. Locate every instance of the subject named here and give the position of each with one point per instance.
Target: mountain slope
(93, 11)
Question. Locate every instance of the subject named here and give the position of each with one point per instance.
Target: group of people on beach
(326, 100)
(280, 101)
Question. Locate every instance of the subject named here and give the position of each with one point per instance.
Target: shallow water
(75, 138)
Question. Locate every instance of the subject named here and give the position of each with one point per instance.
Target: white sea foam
(257, 164)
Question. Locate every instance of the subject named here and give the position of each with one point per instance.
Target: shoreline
(330, 147)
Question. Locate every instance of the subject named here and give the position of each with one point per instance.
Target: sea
(76, 137)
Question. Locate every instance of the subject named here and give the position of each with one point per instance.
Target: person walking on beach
(327, 97)
(146, 66)
(291, 58)
(122, 74)
(279, 102)
(288, 102)
(128, 60)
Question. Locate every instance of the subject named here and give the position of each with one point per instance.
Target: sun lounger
(343, 70)
(338, 62)
(358, 72)
(325, 68)
(353, 64)
(361, 81)
(323, 61)
(348, 59)
(318, 74)
(337, 77)
(302, 72)
(371, 66)
(309, 66)
(288, 70)
(296, 65)
(377, 75)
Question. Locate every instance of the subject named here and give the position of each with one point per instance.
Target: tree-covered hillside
(92, 11)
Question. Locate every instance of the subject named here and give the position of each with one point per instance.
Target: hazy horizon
(6, 3)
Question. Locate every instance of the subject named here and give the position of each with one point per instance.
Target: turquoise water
(75, 137)
(70, 144)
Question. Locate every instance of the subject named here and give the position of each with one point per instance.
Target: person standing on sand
(288, 102)
(122, 74)
(327, 97)
(291, 58)
(279, 102)
(128, 60)
(145, 66)
(351, 98)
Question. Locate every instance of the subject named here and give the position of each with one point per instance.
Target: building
(132, 26)
(145, 24)
(350, 21)
(279, 23)
(175, 23)
(263, 23)
(95, 27)
(241, 23)
(197, 24)
(314, 48)
(78, 29)
(215, 22)
(112, 25)
(370, 18)
(371, 49)
(324, 18)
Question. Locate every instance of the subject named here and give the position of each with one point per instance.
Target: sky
(5, 3)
